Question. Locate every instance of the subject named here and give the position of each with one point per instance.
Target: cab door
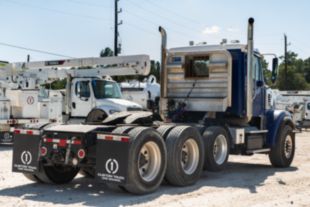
(259, 88)
(81, 98)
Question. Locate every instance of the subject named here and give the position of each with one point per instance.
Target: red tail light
(81, 154)
(43, 151)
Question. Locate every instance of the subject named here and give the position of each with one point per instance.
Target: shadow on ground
(5, 147)
(85, 191)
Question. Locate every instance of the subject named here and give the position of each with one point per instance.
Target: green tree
(155, 69)
(57, 85)
(107, 52)
(295, 77)
(307, 70)
(295, 81)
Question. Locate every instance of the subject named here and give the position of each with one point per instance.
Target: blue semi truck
(212, 104)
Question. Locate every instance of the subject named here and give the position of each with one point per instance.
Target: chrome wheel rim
(190, 156)
(220, 149)
(149, 161)
(288, 146)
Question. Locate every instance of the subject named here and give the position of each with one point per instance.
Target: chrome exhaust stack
(250, 61)
(163, 74)
(68, 97)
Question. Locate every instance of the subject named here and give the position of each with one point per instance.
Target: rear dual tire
(185, 156)
(148, 158)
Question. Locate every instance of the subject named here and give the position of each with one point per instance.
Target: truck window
(308, 107)
(197, 66)
(82, 89)
(106, 89)
(257, 73)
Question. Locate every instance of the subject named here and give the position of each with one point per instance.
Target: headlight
(112, 111)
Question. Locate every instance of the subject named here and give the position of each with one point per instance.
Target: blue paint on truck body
(238, 107)
(274, 121)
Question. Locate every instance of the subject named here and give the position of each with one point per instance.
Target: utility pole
(285, 59)
(116, 24)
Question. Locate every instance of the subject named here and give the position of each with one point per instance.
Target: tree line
(297, 76)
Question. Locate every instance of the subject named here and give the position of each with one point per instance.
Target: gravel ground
(248, 181)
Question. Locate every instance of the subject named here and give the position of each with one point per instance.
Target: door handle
(73, 105)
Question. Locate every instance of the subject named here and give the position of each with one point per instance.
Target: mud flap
(26, 152)
(5, 137)
(112, 158)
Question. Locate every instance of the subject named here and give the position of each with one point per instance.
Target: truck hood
(115, 104)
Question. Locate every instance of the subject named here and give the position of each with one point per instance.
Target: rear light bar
(62, 142)
(34, 120)
(15, 121)
(12, 121)
(27, 132)
(113, 138)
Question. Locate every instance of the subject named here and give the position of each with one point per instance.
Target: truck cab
(96, 93)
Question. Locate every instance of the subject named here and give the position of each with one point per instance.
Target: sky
(81, 28)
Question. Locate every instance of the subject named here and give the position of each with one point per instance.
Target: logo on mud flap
(111, 166)
(6, 136)
(30, 100)
(26, 157)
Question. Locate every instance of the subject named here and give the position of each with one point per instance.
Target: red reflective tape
(62, 143)
(125, 139)
(108, 137)
(77, 142)
(49, 140)
(16, 131)
(29, 132)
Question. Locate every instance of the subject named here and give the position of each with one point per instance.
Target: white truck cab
(89, 93)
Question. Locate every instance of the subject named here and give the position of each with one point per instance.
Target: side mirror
(275, 65)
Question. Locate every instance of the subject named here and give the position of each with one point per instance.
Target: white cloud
(212, 30)
(231, 29)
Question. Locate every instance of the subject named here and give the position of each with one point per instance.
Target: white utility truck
(297, 103)
(145, 93)
(88, 91)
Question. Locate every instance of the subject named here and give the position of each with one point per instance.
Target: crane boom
(49, 71)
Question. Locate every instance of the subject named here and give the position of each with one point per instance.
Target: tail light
(81, 154)
(43, 151)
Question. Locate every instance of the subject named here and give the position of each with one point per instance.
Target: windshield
(106, 89)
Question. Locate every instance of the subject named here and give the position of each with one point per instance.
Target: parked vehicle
(145, 93)
(90, 94)
(297, 103)
(213, 104)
